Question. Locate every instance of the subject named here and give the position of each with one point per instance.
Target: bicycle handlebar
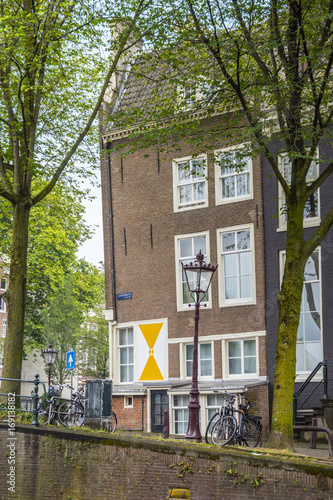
(234, 396)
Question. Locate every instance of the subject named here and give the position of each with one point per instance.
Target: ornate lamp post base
(193, 430)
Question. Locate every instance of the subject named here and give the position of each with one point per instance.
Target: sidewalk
(321, 450)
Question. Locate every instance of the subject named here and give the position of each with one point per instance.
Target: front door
(159, 403)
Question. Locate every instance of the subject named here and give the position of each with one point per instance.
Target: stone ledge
(276, 459)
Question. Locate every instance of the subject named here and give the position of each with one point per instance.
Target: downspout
(113, 276)
(142, 413)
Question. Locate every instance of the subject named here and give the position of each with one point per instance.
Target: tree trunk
(289, 303)
(16, 298)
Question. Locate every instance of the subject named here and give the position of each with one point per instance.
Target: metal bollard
(313, 438)
(166, 424)
(35, 402)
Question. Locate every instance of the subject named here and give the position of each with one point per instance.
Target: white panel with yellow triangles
(152, 350)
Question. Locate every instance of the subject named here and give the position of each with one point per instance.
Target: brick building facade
(157, 214)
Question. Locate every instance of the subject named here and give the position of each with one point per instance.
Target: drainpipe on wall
(142, 413)
(113, 277)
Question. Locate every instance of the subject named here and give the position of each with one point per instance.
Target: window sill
(236, 304)
(185, 208)
(233, 200)
(307, 223)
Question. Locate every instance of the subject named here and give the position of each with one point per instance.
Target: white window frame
(3, 280)
(215, 408)
(197, 95)
(219, 200)
(125, 346)
(225, 355)
(85, 359)
(183, 368)
(301, 376)
(309, 222)
(179, 288)
(183, 408)
(4, 328)
(128, 401)
(242, 359)
(176, 185)
(235, 302)
(3, 303)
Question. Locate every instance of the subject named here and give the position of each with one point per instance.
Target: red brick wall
(131, 418)
(58, 464)
(259, 396)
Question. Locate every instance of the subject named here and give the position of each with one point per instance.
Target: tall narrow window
(309, 338)
(205, 368)
(242, 357)
(180, 412)
(3, 284)
(190, 184)
(126, 354)
(187, 249)
(311, 209)
(2, 305)
(237, 266)
(214, 402)
(4, 328)
(233, 176)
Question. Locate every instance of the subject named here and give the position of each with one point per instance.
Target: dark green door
(159, 403)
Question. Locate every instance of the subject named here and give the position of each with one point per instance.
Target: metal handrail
(309, 396)
(318, 429)
(35, 397)
(322, 364)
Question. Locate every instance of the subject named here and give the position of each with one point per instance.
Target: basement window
(128, 401)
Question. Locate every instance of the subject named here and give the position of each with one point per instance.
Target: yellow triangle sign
(151, 370)
(150, 333)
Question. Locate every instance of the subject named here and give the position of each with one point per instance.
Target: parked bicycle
(226, 429)
(71, 413)
(48, 410)
(109, 423)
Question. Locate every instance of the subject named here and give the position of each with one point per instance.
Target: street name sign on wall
(70, 360)
(124, 296)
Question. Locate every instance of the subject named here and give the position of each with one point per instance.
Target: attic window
(187, 96)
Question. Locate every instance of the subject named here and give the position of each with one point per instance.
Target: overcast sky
(92, 250)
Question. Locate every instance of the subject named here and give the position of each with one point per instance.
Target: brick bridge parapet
(82, 465)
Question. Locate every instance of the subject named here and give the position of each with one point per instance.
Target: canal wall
(39, 463)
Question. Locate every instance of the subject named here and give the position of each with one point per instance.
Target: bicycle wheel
(256, 420)
(43, 413)
(63, 410)
(224, 430)
(250, 433)
(109, 423)
(71, 414)
(208, 434)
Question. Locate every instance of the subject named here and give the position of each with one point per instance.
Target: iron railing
(324, 365)
(34, 398)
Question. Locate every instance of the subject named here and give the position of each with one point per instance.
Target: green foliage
(52, 84)
(62, 325)
(57, 229)
(94, 334)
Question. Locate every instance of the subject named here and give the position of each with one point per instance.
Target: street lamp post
(50, 356)
(198, 277)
